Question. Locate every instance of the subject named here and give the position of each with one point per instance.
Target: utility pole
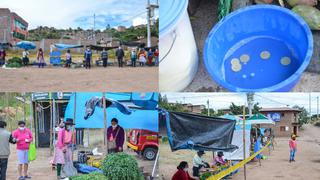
(150, 15)
(208, 102)
(310, 106)
(250, 102)
(94, 29)
(317, 107)
(244, 141)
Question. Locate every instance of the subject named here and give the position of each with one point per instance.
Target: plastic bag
(69, 170)
(32, 153)
(293, 3)
(310, 14)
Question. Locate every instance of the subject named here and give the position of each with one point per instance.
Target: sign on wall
(275, 116)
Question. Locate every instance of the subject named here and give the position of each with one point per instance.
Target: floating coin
(235, 61)
(265, 55)
(244, 76)
(236, 67)
(244, 58)
(285, 61)
(252, 74)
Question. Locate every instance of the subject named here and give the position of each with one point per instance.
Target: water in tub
(259, 62)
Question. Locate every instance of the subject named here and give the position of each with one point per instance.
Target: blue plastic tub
(259, 48)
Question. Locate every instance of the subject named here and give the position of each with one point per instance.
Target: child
(293, 147)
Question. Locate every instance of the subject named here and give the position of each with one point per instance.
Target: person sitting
(182, 173)
(219, 161)
(198, 163)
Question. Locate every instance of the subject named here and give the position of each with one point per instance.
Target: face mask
(114, 126)
(21, 128)
(69, 128)
(185, 169)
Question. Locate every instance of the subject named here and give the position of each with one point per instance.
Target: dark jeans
(25, 61)
(87, 64)
(195, 171)
(133, 62)
(2, 62)
(41, 65)
(105, 62)
(120, 61)
(3, 168)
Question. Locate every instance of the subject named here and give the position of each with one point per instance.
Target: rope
(224, 8)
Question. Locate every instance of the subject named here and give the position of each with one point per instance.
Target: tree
(236, 110)
(303, 116)
(164, 104)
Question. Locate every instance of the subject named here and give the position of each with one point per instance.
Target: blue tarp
(141, 118)
(26, 45)
(62, 47)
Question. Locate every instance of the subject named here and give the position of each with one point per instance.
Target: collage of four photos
(159, 89)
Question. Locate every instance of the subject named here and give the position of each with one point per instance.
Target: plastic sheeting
(191, 131)
(62, 47)
(138, 119)
(238, 141)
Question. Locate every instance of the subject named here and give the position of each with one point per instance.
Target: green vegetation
(119, 166)
(14, 62)
(303, 116)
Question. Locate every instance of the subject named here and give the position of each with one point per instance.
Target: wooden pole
(104, 119)
(51, 122)
(244, 141)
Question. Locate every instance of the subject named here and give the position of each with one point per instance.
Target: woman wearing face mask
(63, 149)
(115, 137)
(182, 173)
(23, 137)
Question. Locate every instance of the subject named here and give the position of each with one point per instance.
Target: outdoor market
(85, 135)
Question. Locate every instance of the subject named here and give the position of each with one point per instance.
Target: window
(282, 114)
(18, 24)
(282, 128)
(18, 35)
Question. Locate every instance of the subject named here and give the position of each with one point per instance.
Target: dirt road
(97, 79)
(277, 166)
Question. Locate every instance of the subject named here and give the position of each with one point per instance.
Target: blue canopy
(62, 47)
(129, 118)
(27, 45)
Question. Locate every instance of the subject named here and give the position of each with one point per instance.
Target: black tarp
(192, 131)
(101, 47)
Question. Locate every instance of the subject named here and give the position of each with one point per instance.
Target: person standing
(68, 59)
(2, 56)
(293, 148)
(25, 57)
(142, 58)
(115, 137)
(23, 137)
(88, 57)
(120, 55)
(133, 57)
(5, 139)
(150, 57)
(104, 57)
(63, 146)
(156, 57)
(40, 58)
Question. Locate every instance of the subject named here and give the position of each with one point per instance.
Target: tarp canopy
(141, 118)
(259, 119)
(62, 47)
(5, 45)
(26, 45)
(192, 131)
(101, 47)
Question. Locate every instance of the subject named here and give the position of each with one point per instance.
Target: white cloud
(138, 21)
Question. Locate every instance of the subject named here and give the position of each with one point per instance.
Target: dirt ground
(109, 79)
(276, 166)
(202, 22)
(40, 169)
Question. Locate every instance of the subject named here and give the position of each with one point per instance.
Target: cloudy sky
(223, 100)
(79, 13)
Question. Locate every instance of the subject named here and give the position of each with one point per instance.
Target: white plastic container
(178, 51)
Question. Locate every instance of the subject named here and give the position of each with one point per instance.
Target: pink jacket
(64, 138)
(21, 136)
(293, 144)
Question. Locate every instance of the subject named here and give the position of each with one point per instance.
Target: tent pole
(51, 122)
(74, 117)
(104, 119)
(244, 141)
(155, 164)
